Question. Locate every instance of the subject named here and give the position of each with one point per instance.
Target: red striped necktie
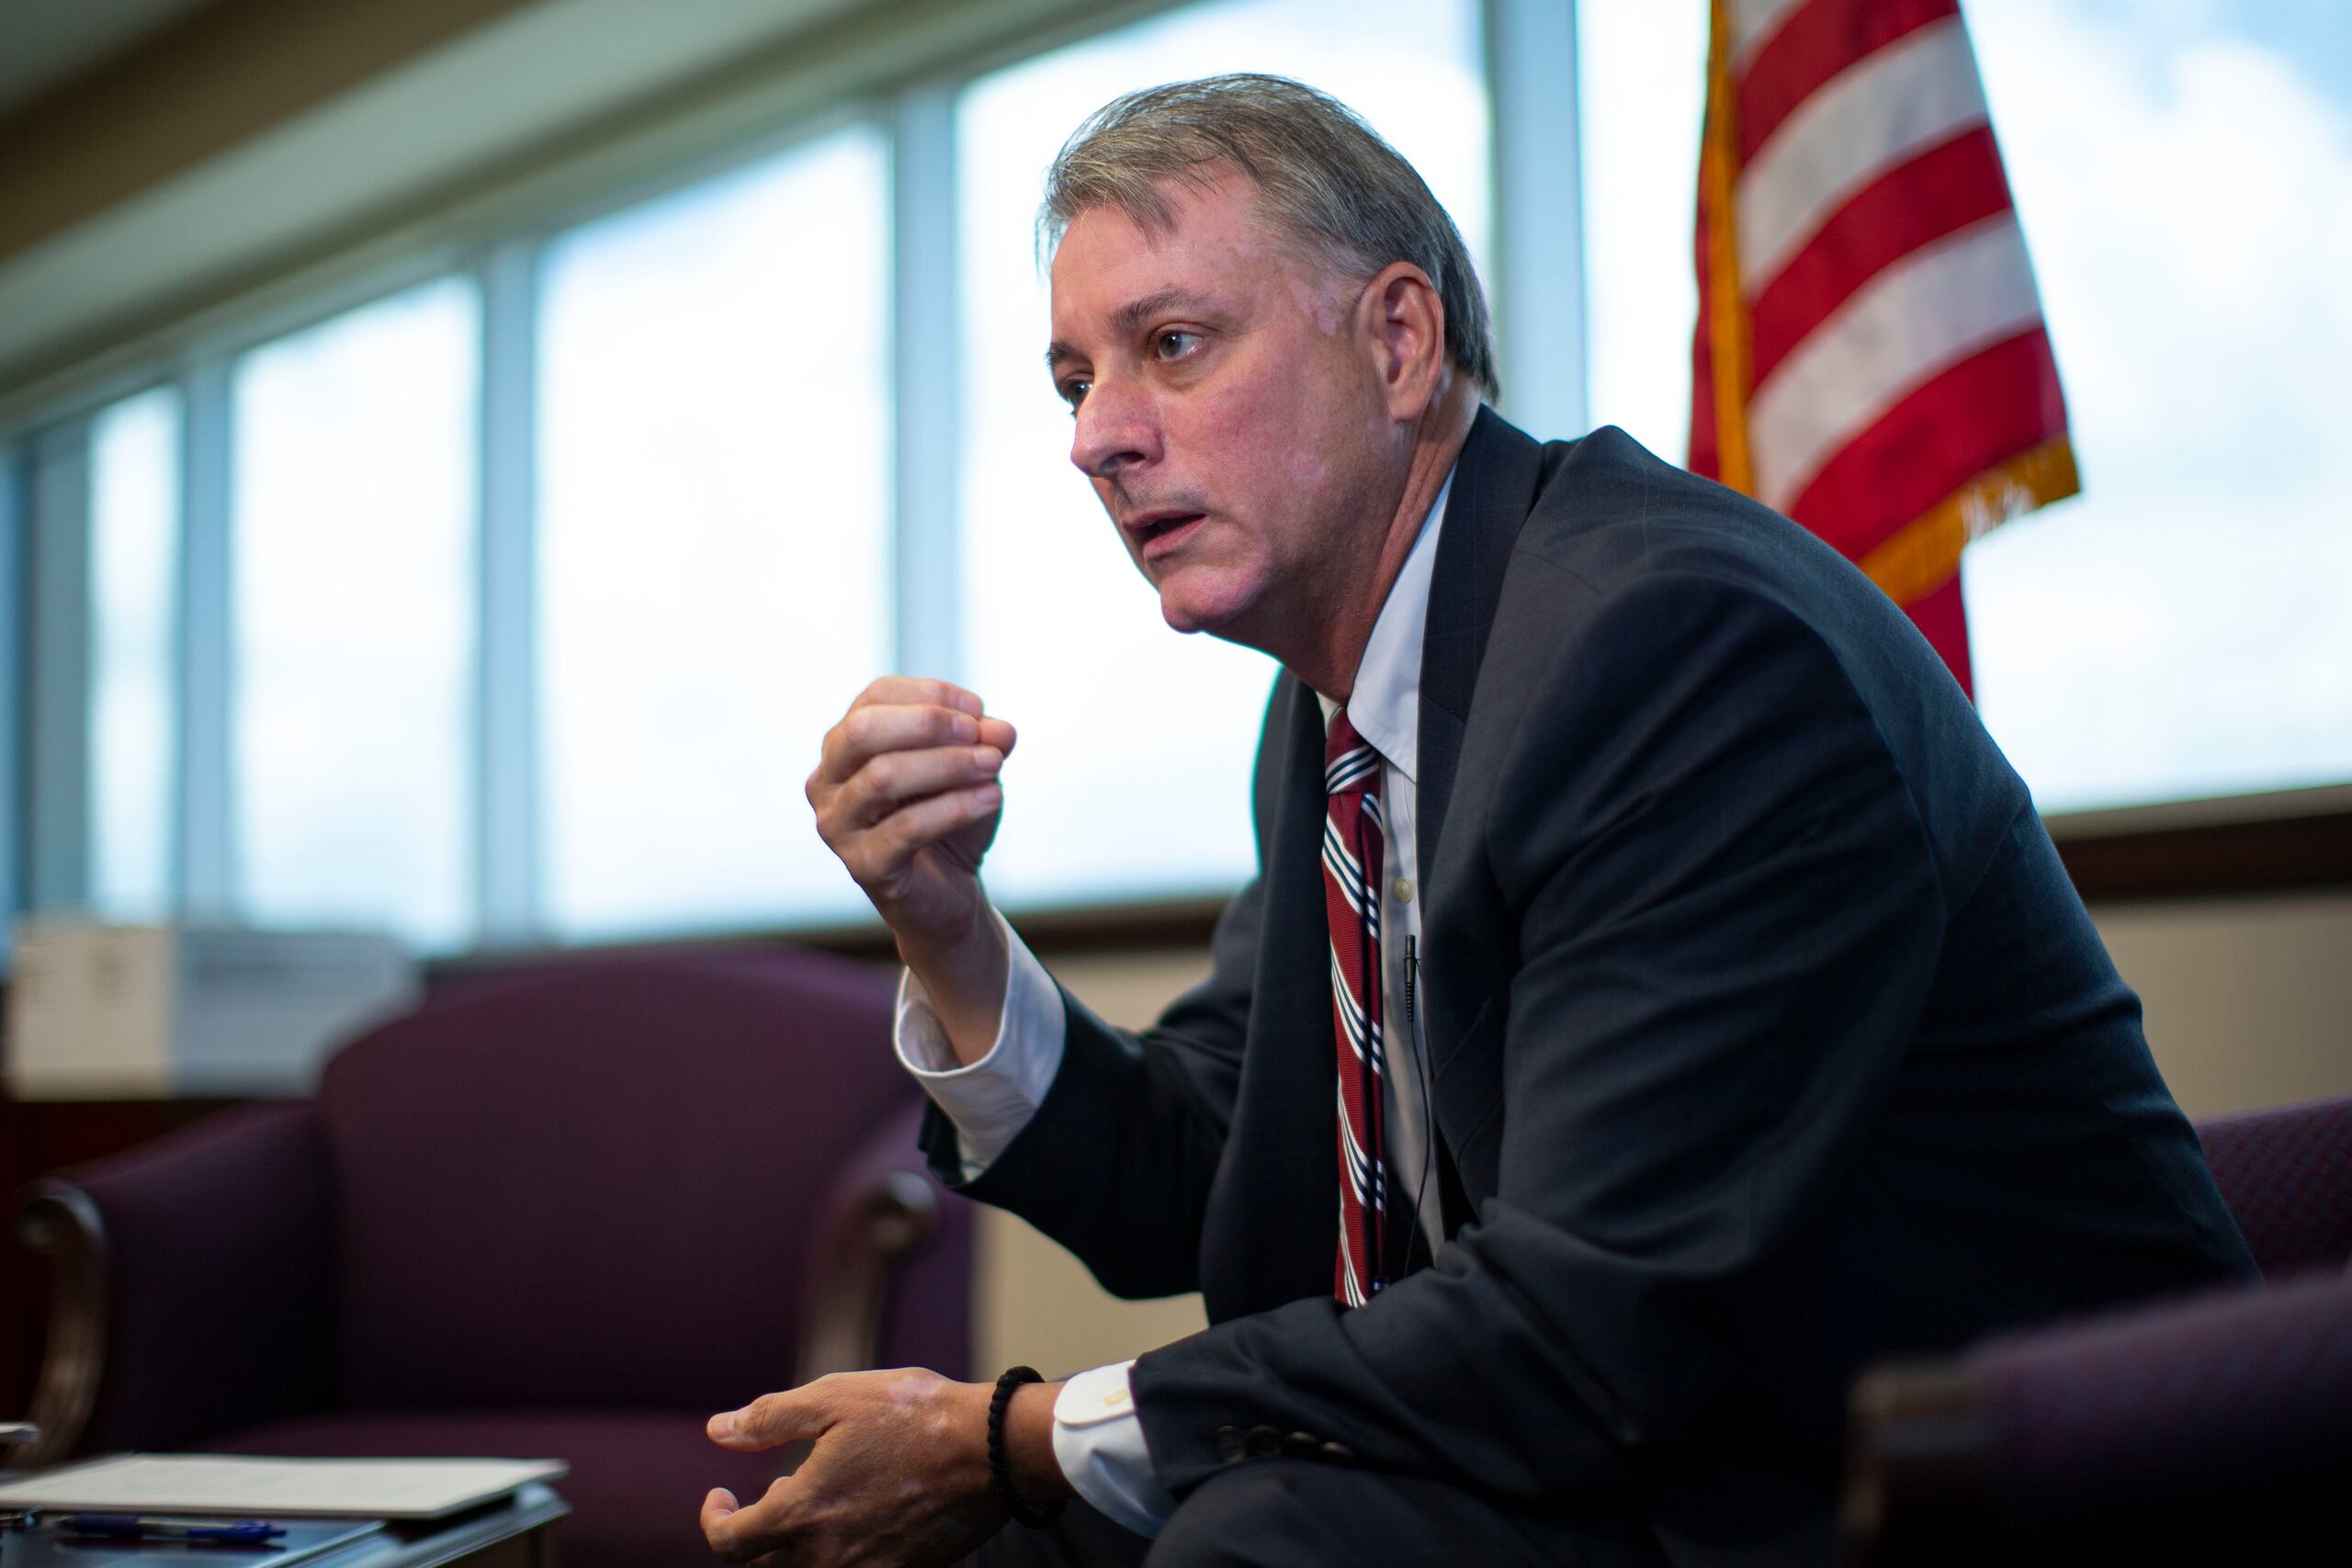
(1351, 865)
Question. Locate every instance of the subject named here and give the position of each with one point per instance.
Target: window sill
(2286, 842)
(2289, 841)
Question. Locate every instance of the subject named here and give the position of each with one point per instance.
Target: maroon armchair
(2214, 1430)
(566, 1214)
(2286, 1175)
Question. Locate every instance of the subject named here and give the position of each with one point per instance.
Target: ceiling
(44, 43)
(518, 80)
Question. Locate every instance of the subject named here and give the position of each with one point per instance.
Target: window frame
(15, 607)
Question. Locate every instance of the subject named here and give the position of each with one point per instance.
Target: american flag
(1871, 357)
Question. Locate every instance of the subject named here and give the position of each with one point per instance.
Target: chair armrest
(1914, 1468)
(2214, 1428)
(881, 1208)
(191, 1284)
(58, 1220)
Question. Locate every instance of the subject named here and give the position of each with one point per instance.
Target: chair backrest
(594, 1186)
(2286, 1174)
(2231, 1408)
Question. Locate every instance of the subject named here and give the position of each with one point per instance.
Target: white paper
(284, 1488)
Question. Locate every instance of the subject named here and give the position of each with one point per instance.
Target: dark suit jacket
(1767, 1037)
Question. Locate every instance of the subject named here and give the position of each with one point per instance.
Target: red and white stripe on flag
(1871, 357)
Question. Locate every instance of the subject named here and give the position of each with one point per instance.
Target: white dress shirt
(1098, 1438)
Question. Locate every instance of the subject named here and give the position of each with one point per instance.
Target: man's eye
(1175, 344)
(1074, 393)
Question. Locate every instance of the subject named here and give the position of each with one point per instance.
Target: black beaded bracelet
(1000, 1472)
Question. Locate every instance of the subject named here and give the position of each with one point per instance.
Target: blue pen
(141, 1526)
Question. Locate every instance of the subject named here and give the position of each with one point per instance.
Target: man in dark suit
(1659, 998)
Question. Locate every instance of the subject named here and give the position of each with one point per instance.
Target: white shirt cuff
(991, 1100)
(1098, 1440)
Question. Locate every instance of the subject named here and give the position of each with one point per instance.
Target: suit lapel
(1494, 487)
(1494, 490)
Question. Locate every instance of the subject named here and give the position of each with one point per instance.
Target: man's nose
(1117, 428)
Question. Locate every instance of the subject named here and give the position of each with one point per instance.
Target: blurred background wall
(456, 457)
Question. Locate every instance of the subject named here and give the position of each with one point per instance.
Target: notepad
(299, 1542)
(276, 1488)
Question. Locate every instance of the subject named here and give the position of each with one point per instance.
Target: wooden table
(517, 1532)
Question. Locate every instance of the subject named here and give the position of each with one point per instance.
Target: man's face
(1228, 410)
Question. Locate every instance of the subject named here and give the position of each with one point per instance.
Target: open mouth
(1161, 535)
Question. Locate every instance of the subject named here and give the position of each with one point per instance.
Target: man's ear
(1404, 329)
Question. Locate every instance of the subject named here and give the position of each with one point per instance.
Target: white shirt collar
(1386, 705)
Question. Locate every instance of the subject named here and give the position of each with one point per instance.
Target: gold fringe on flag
(1726, 309)
(1921, 556)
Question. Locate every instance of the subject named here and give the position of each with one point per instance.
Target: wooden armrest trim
(1914, 1475)
(58, 1220)
(841, 1329)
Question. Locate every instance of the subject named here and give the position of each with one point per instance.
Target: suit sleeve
(1728, 917)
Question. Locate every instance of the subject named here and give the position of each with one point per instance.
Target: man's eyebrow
(1132, 315)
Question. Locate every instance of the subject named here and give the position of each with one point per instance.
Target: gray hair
(1323, 175)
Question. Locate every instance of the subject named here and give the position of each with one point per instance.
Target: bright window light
(134, 580)
(1641, 91)
(1063, 638)
(2185, 627)
(714, 538)
(353, 598)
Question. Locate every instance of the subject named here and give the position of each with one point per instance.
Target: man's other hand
(900, 1474)
(906, 792)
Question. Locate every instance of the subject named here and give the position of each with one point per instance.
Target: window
(1642, 89)
(2178, 630)
(1063, 638)
(513, 605)
(714, 538)
(542, 580)
(2185, 627)
(134, 581)
(352, 533)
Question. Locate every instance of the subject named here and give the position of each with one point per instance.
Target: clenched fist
(906, 792)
